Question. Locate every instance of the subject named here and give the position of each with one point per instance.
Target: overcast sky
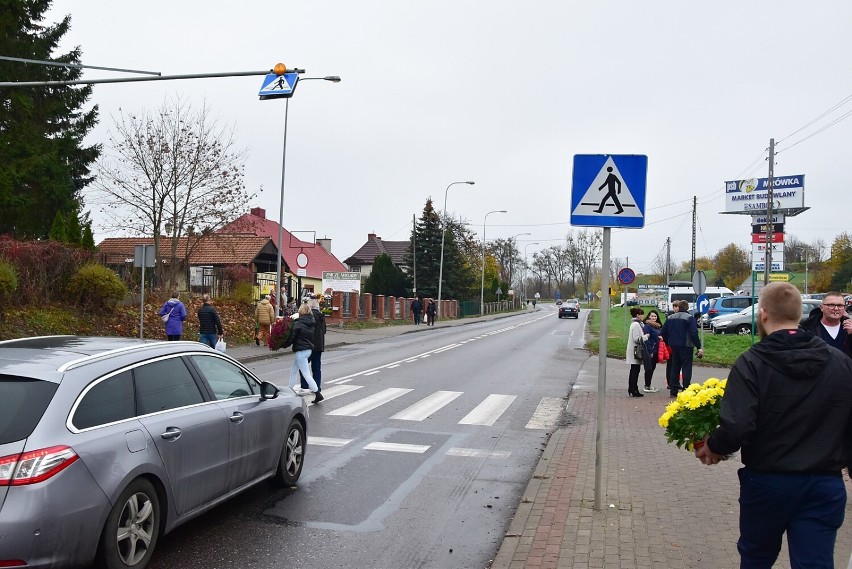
(504, 94)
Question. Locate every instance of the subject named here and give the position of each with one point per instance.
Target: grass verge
(720, 350)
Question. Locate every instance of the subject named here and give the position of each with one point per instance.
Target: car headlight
(718, 323)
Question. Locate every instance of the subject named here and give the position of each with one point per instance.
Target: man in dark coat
(788, 407)
(680, 333)
(829, 322)
(416, 309)
(209, 324)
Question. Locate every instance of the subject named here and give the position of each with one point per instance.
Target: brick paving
(661, 507)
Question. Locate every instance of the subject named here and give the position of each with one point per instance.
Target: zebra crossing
(484, 413)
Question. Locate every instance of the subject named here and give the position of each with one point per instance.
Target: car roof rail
(91, 358)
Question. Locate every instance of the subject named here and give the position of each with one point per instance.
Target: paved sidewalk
(661, 507)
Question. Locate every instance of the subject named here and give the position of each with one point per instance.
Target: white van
(682, 290)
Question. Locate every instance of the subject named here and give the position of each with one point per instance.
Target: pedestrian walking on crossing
(788, 407)
(302, 340)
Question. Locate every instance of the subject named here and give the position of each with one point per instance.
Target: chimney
(371, 236)
(325, 243)
(258, 212)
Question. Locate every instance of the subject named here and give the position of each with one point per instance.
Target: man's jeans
(209, 339)
(809, 507)
(681, 362)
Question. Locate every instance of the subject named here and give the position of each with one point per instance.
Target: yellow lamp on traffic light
(279, 69)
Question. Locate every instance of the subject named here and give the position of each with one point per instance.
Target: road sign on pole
(702, 303)
(699, 282)
(626, 276)
(608, 190)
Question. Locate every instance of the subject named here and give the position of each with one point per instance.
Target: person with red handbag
(652, 329)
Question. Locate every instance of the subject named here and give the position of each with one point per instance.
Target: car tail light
(35, 466)
(12, 563)
(712, 311)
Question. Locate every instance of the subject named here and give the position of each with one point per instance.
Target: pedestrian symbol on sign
(610, 184)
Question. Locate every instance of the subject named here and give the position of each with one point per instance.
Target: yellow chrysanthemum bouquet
(694, 414)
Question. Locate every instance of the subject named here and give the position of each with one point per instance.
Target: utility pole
(414, 251)
(668, 260)
(767, 265)
(694, 210)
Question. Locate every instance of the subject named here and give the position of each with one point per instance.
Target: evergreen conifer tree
(44, 163)
(57, 229)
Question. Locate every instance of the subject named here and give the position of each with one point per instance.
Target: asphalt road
(417, 458)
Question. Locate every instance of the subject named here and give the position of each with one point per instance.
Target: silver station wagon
(108, 443)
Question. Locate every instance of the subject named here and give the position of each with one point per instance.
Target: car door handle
(237, 417)
(171, 434)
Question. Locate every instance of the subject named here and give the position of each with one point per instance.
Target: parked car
(569, 309)
(740, 323)
(108, 443)
(722, 305)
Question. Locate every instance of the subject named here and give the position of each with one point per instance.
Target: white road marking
(478, 453)
(370, 403)
(339, 390)
(425, 407)
(487, 412)
(373, 372)
(547, 413)
(397, 447)
(393, 366)
(328, 441)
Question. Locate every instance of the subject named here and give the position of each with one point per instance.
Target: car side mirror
(268, 391)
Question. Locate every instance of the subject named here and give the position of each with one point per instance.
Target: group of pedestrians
(173, 312)
(425, 306)
(672, 342)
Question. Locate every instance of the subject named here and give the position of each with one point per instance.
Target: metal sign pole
(142, 303)
(602, 344)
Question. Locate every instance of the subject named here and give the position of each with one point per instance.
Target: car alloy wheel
(132, 527)
(744, 330)
(292, 455)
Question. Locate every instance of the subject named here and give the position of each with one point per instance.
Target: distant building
(319, 257)
(362, 260)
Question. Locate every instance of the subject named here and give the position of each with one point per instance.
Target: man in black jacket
(680, 332)
(829, 322)
(209, 324)
(788, 407)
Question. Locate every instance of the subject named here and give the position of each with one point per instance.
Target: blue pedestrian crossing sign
(608, 190)
(278, 86)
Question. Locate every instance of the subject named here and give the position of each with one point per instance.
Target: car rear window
(22, 403)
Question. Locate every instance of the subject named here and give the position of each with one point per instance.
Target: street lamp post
(515, 238)
(525, 269)
(278, 283)
(482, 283)
(443, 234)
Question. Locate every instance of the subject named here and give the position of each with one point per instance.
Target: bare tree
(662, 267)
(173, 169)
(589, 249)
(508, 258)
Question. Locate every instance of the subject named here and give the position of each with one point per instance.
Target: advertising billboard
(745, 196)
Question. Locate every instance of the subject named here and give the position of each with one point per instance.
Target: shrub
(8, 283)
(95, 286)
(243, 293)
(42, 267)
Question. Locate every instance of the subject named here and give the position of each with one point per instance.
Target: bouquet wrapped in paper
(694, 414)
(279, 336)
